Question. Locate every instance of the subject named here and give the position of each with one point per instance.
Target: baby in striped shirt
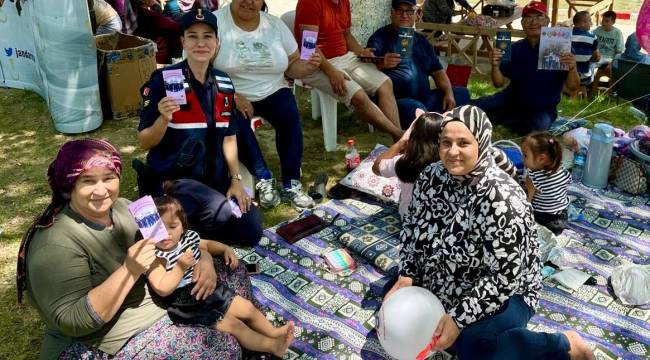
(547, 180)
(170, 276)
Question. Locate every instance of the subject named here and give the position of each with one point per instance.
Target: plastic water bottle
(578, 165)
(638, 114)
(599, 156)
(352, 157)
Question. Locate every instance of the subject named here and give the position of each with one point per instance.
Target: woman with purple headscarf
(82, 269)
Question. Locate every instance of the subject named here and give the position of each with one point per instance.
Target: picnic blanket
(335, 315)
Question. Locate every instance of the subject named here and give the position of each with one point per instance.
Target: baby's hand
(231, 258)
(186, 260)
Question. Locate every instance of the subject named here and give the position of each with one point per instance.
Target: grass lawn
(28, 142)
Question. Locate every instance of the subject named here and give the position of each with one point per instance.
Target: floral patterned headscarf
(72, 160)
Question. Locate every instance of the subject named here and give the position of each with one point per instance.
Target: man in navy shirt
(529, 103)
(410, 75)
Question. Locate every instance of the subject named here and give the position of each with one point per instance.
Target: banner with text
(48, 47)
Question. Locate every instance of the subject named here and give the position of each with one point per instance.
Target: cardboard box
(125, 64)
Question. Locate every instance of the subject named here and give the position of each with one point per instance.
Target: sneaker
(268, 194)
(296, 197)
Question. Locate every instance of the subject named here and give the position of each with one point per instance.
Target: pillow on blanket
(376, 239)
(363, 179)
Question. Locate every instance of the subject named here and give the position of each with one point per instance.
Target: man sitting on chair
(410, 75)
(529, 103)
(342, 75)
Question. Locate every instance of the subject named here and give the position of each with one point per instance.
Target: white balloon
(407, 321)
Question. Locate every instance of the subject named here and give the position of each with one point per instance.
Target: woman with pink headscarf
(81, 267)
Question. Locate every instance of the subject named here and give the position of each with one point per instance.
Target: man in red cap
(529, 103)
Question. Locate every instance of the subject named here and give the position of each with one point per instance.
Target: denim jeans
(281, 111)
(209, 214)
(502, 110)
(503, 336)
(433, 102)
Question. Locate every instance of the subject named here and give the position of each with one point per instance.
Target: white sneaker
(296, 197)
(268, 194)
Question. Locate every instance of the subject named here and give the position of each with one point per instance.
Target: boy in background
(610, 44)
(585, 47)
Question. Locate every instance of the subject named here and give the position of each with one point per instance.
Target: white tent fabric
(48, 47)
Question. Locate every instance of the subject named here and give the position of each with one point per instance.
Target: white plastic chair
(322, 105)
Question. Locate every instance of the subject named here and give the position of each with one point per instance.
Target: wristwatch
(237, 177)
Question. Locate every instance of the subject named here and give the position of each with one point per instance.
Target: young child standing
(585, 47)
(171, 277)
(547, 180)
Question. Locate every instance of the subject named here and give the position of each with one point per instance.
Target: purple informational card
(309, 39)
(236, 211)
(174, 85)
(146, 216)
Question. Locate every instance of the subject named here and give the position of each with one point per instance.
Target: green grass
(28, 142)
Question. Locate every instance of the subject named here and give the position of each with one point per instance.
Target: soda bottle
(352, 158)
(256, 122)
(578, 164)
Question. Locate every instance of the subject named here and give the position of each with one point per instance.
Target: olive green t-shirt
(66, 261)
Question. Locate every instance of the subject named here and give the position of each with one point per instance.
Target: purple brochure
(309, 39)
(236, 211)
(174, 85)
(146, 216)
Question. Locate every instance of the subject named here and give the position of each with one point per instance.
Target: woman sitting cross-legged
(469, 237)
(82, 268)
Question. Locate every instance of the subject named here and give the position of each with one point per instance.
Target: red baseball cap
(534, 7)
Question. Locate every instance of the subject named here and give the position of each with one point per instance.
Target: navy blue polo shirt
(411, 76)
(529, 87)
(163, 157)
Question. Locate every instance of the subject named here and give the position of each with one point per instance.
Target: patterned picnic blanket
(335, 314)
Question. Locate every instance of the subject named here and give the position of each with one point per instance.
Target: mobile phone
(371, 59)
(252, 268)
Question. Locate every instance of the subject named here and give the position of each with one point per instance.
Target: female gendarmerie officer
(194, 144)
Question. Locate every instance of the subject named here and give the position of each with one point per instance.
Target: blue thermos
(599, 156)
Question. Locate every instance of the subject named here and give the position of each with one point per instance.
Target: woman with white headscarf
(469, 237)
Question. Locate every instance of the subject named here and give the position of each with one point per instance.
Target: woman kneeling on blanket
(470, 238)
(82, 268)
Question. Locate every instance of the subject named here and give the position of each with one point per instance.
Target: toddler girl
(547, 180)
(417, 148)
(171, 276)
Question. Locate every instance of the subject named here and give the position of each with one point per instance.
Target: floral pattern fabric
(363, 179)
(166, 340)
(474, 246)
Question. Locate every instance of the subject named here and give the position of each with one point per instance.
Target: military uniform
(191, 153)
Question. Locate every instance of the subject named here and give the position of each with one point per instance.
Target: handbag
(630, 176)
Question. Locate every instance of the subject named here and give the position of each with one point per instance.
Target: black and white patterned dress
(471, 241)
